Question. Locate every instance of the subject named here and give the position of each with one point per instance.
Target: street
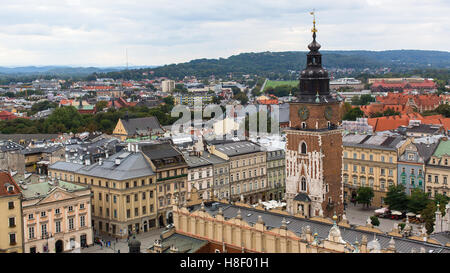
(357, 215)
(147, 239)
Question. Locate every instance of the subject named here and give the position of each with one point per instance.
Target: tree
(345, 108)
(169, 100)
(428, 214)
(101, 105)
(444, 109)
(417, 201)
(242, 97)
(375, 220)
(235, 90)
(353, 114)
(396, 198)
(365, 195)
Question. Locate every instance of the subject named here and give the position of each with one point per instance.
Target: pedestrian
(117, 240)
(118, 251)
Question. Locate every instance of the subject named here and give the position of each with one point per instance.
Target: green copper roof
(43, 188)
(443, 148)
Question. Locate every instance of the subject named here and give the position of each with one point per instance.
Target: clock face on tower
(303, 112)
(328, 112)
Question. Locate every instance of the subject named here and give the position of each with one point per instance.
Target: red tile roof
(393, 122)
(426, 84)
(379, 107)
(5, 178)
(5, 115)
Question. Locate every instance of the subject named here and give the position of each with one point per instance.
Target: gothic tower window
(303, 184)
(303, 148)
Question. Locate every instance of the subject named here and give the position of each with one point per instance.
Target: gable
(57, 194)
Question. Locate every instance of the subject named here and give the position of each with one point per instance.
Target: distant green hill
(267, 63)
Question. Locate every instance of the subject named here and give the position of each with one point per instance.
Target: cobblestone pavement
(357, 215)
(147, 239)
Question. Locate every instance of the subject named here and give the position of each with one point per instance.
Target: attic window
(10, 188)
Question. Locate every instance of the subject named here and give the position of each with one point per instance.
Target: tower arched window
(303, 125)
(303, 148)
(303, 184)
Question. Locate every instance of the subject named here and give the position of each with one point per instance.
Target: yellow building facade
(370, 165)
(123, 192)
(11, 226)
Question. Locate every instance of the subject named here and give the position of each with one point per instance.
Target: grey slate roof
(159, 150)
(132, 165)
(142, 125)
(238, 148)
(273, 220)
(37, 150)
(426, 150)
(6, 145)
(373, 141)
(28, 137)
(303, 197)
(205, 159)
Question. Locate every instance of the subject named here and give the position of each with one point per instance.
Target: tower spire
(314, 30)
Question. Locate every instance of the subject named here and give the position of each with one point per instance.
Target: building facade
(438, 170)
(276, 178)
(371, 161)
(56, 217)
(123, 191)
(248, 169)
(171, 178)
(411, 165)
(11, 225)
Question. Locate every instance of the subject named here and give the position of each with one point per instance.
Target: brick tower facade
(314, 142)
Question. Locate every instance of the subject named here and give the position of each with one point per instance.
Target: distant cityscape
(97, 165)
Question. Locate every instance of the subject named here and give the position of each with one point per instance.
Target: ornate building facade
(314, 143)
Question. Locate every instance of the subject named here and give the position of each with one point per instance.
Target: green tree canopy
(353, 114)
(396, 198)
(417, 201)
(365, 195)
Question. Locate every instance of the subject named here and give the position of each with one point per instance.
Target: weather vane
(314, 20)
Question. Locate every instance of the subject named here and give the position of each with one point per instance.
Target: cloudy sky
(98, 32)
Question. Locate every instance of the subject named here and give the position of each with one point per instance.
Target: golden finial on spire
(314, 21)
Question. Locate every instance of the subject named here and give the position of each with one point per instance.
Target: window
(303, 148)
(345, 167)
(355, 168)
(114, 199)
(363, 169)
(71, 224)
(436, 179)
(43, 214)
(371, 157)
(445, 180)
(100, 196)
(382, 158)
(128, 213)
(115, 213)
(31, 232)
(58, 226)
(127, 185)
(128, 199)
(151, 208)
(44, 230)
(144, 196)
(107, 212)
(363, 156)
(30, 216)
(144, 210)
(82, 206)
(82, 220)
(12, 239)
(151, 194)
(134, 183)
(142, 182)
(303, 186)
(11, 205)
(107, 197)
(57, 211)
(355, 156)
(12, 221)
(136, 212)
(390, 159)
(345, 155)
(136, 197)
(70, 208)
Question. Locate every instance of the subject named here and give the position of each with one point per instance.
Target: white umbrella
(410, 214)
(381, 211)
(418, 216)
(395, 212)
